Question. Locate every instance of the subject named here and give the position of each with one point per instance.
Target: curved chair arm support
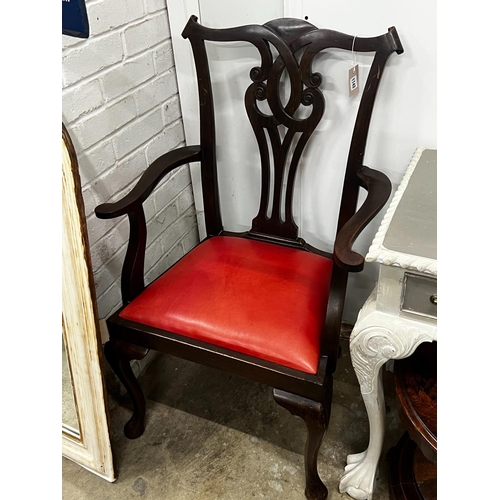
(132, 282)
(148, 181)
(379, 189)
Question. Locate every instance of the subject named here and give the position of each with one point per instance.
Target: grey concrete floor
(210, 435)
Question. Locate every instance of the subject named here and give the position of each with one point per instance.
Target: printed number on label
(354, 82)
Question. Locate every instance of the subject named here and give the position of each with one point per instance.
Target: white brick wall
(120, 103)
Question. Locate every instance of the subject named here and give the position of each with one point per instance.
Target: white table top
(407, 236)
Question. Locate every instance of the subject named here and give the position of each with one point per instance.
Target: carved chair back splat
(263, 305)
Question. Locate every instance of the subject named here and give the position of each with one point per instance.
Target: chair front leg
(316, 416)
(119, 354)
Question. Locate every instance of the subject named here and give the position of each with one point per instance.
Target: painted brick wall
(120, 104)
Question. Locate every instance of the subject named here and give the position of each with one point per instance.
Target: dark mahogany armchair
(264, 305)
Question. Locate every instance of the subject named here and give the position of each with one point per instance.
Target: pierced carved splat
(286, 149)
(283, 134)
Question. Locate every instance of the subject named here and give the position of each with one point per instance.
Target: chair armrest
(132, 281)
(379, 189)
(148, 181)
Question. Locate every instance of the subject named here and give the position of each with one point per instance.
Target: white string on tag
(352, 51)
(353, 72)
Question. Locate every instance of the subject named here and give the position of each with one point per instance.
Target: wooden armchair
(263, 305)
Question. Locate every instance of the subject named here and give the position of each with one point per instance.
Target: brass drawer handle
(434, 299)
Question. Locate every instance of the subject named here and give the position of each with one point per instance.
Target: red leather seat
(252, 297)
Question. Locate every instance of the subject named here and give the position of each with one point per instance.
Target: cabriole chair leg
(316, 416)
(119, 354)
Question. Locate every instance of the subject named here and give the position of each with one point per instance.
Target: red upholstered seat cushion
(251, 297)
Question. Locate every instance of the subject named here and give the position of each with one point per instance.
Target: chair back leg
(119, 354)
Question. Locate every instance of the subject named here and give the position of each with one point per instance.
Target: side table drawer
(419, 295)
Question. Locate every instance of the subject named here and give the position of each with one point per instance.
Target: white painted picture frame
(90, 447)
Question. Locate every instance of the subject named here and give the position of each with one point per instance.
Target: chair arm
(132, 281)
(379, 189)
(148, 181)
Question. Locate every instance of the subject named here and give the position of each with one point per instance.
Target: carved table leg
(119, 354)
(359, 478)
(316, 416)
(376, 338)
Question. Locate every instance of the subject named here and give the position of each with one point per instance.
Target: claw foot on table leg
(359, 479)
(357, 494)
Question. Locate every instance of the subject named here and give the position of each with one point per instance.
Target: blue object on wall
(74, 18)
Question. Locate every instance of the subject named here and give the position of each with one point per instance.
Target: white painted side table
(401, 312)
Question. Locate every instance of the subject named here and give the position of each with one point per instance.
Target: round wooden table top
(414, 471)
(415, 381)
